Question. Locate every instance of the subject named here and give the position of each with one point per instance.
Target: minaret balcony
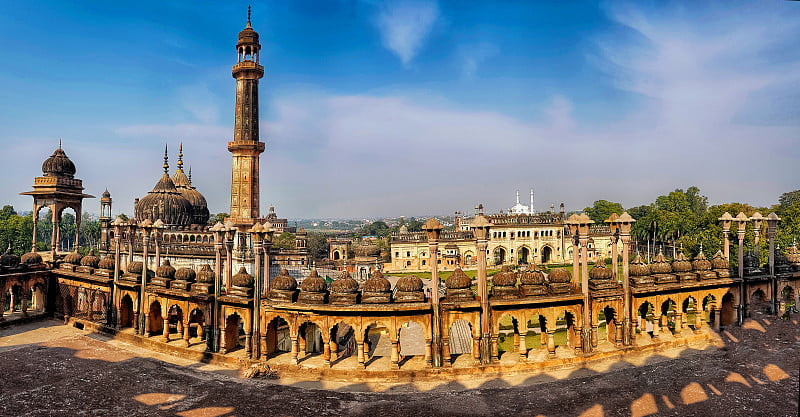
(248, 66)
(246, 146)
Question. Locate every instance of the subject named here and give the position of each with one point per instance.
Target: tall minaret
(246, 146)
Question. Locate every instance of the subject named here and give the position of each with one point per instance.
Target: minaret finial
(166, 159)
(190, 174)
(59, 143)
(248, 15)
(180, 157)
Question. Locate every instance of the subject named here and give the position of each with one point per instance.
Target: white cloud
(472, 56)
(405, 25)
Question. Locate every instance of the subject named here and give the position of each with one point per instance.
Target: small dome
(660, 264)
(185, 274)
(284, 281)
(701, 263)
(106, 194)
(639, 267)
(780, 257)
(73, 258)
(458, 280)
(31, 258)
(719, 261)
(248, 36)
(367, 249)
(106, 263)
(165, 270)
(377, 283)
(135, 267)
(8, 259)
(681, 263)
(504, 279)
(793, 255)
(600, 271)
(559, 275)
(535, 277)
(206, 274)
(90, 261)
(313, 283)
(409, 283)
(242, 279)
(344, 285)
(58, 165)
(750, 260)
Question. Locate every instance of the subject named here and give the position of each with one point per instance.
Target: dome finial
(166, 158)
(248, 15)
(59, 143)
(180, 157)
(190, 174)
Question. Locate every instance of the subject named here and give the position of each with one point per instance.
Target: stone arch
(500, 254)
(175, 319)
(196, 322)
(727, 309)
(343, 340)
(309, 338)
(377, 339)
(99, 306)
(546, 254)
(524, 254)
(233, 332)
(646, 314)
(612, 323)
(126, 311)
(336, 255)
(155, 319)
(411, 339)
(278, 336)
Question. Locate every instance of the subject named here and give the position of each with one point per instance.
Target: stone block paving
(47, 368)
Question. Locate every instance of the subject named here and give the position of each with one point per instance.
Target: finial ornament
(166, 163)
(190, 174)
(248, 15)
(59, 143)
(180, 157)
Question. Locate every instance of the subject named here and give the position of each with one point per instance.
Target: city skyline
(608, 102)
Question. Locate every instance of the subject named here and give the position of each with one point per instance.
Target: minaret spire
(531, 208)
(190, 174)
(248, 16)
(180, 157)
(517, 196)
(166, 161)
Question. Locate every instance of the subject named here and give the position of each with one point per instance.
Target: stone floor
(47, 368)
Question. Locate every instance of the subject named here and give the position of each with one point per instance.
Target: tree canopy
(601, 209)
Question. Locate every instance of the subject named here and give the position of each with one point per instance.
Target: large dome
(165, 202)
(58, 165)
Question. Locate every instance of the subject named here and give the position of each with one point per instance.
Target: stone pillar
(360, 353)
(166, 330)
(264, 351)
(433, 229)
(656, 327)
(587, 340)
(428, 360)
(54, 234)
(248, 345)
(446, 358)
(34, 215)
(480, 228)
(334, 348)
(476, 348)
(223, 344)
(219, 236)
(143, 282)
(185, 330)
(146, 327)
(326, 353)
(294, 350)
(742, 307)
(395, 355)
(551, 342)
(678, 324)
(495, 349)
(698, 320)
(522, 348)
(717, 318)
(664, 323)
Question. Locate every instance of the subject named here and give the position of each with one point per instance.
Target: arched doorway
(727, 311)
(175, 320)
(547, 254)
(344, 340)
(196, 323)
(524, 254)
(499, 255)
(156, 321)
(278, 337)
(411, 339)
(233, 329)
(126, 312)
(460, 339)
(310, 339)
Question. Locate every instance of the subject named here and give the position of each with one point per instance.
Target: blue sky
(411, 107)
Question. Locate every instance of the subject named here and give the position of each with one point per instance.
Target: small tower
(105, 222)
(246, 146)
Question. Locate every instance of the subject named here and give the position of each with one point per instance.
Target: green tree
(318, 245)
(6, 212)
(785, 200)
(284, 241)
(215, 218)
(601, 209)
(378, 228)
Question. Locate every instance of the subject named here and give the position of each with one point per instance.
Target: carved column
(433, 229)
(480, 228)
(143, 283)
